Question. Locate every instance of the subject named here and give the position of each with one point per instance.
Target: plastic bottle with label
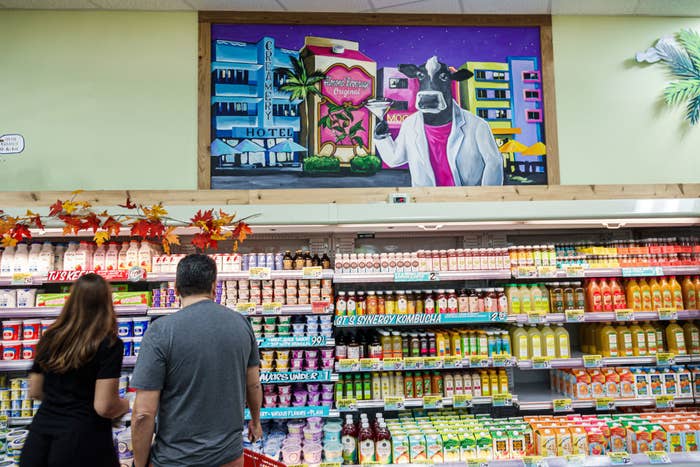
(536, 298)
(111, 262)
(639, 343)
(692, 337)
(666, 293)
(349, 441)
(534, 344)
(625, 346)
(650, 336)
(382, 444)
(594, 296)
(549, 342)
(520, 338)
(46, 259)
(609, 341)
(657, 299)
(58, 253)
(647, 298)
(33, 258)
(7, 266)
(121, 257)
(145, 256)
(99, 259)
(21, 259)
(634, 295)
(526, 305)
(513, 295)
(675, 339)
(690, 297)
(676, 293)
(606, 293)
(563, 342)
(619, 299)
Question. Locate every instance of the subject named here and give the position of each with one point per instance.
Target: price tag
(22, 278)
(667, 314)
(575, 316)
(523, 272)
(432, 402)
(665, 402)
(412, 363)
(574, 270)
(246, 307)
(433, 363)
(547, 271)
(575, 460)
(536, 317)
(502, 360)
(498, 316)
(534, 461)
(348, 364)
(330, 464)
(665, 359)
(453, 362)
(462, 401)
(298, 465)
(259, 273)
(502, 400)
(320, 307)
(273, 307)
(479, 361)
(561, 405)
(658, 457)
(605, 403)
(541, 363)
(393, 364)
(620, 458)
(480, 462)
(415, 276)
(394, 403)
(346, 405)
(642, 271)
(624, 314)
(312, 272)
(592, 361)
(370, 364)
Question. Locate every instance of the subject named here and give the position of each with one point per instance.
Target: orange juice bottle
(690, 297)
(661, 341)
(639, 343)
(657, 300)
(634, 295)
(647, 300)
(593, 294)
(666, 293)
(650, 334)
(677, 293)
(692, 338)
(696, 283)
(607, 294)
(676, 339)
(618, 295)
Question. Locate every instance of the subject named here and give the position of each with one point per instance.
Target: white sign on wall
(11, 144)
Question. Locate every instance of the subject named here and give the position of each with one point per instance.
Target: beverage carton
(434, 448)
(596, 442)
(484, 444)
(579, 440)
(501, 445)
(451, 446)
(400, 449)
(546, 442)
(467, 447)
(675, 437)
(417, 448)
(659, 438)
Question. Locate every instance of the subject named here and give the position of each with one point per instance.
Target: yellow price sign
(453, 362)
(246, 307)
(592, 361)
(575, 316)
(625, 314)
(561, 405)
(619, 458)
(665, 359)
(394, 403)
(348, 364)
(502, 400)
(312, 272)
(605, 403)
(370, 364)
(462, 401)
(272, 307)
(665, 402)
(541, 363)
(346, 405)
(259, 273)
(667, 314)
(432, 402)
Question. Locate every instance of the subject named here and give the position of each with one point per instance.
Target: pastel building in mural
(247, 103)
(528, 113)
(341, 125)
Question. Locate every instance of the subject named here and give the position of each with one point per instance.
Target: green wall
(613, 124)
(104, 100)
(108, 100)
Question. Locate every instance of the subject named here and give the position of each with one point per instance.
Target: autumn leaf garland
(148, 222)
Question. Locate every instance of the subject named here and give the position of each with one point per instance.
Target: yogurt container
(333, 451)
(136, 346)
(31, 329)
(11, 350)
(45, 323)
(29, 349)
(125, 328)
(140, 325)
(11, 330)
(128, 346)
(291, 455)
(312, 453)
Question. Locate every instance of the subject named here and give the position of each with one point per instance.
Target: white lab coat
(471, 150)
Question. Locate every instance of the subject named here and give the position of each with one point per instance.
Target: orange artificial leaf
(76, 192)
(155, 212)
(203, 241)
(170, 238)
(20, 232)
(7, 241)
(84, 204)
(156, 228)
(225, 219)
(112, 226)
(140, 228)
(203, 220)
(219, 236)
(242, 231)
(56, 208)
(35, 219)
(91, 221)
(128, 205)
(235, 246)
(101, 237)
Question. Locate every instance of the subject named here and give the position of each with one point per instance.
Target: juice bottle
(593, 294)
(588, 341)
(657, 299)
(502, 381)
(549, 342)
(608, 341)
(675, 339)
(692, 338)
(634, 295)
(696, 283)
(661, 341)
(536, 298)
(647, 300)
(690, 297)
(534, 344)
(570, 298)
(561, 336)
(619, 300)
(556, 298)
(366, 442)
(520, 338)
(624, 341)
(544, 294)
(382, 444)
(666, 293)
(677, 293)
(525, 299)
(349, 441)
(650, 335)
(493, 380)
(579, 296)
(607, 295)
(639, 344)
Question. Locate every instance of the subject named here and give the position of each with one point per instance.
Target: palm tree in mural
(301, 84)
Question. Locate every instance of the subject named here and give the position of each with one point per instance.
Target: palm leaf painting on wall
(315, 106)
(681, 54)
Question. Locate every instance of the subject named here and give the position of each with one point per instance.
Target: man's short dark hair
(196, 275)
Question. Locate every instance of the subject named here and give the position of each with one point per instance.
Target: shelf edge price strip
(462, 401)
(575, 460)
(259, 273)
(541, 363)
(272, 307)
(575, 316)
(394, 403)
(432, 402)
(561, 405)
(330, 464)
(665, 359)
(502, 400)
(481, 462)
(348, 364)
(664, 402)
(574, 270)
(246, 307)
(534, 461)
(392, 364)
(479, 361)
(433, 363)
(620, 458)
(667, 314)
(605, 403)
(370, 364)
(312, 272)
(346, 405)
(22, 278)
(502, 361)
(453, 362)
(536, 317)
(624, 315)
(413, 363)
(592, 361)
(658, 457)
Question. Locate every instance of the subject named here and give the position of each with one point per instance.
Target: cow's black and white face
(435, 80)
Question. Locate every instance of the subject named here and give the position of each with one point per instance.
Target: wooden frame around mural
(206, 18)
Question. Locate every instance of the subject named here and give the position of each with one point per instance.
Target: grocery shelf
(438, 276)
(622, 272)
(285, 377)
(423, 363)
(600, 316)
(19, 421)
(52, 312)
(239, 275)
(294, 342)
(577, 361)
(418, 403)
(286, 310)
(271, 413)
(25, 365)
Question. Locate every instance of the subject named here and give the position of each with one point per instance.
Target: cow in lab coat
(443, 144)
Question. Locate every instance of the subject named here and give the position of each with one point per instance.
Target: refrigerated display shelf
(287, 310)
(424, 363)
(413, 403)
(577, 362)
(52, 312)
(642, 271)
(432, 276)
(25, 365)
(422, 319)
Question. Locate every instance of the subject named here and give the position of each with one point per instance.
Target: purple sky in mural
(391, 45)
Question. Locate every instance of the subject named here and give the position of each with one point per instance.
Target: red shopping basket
(257, 459)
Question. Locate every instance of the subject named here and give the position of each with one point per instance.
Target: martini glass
(378, 107)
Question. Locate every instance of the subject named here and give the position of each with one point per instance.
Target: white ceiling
(555, 7)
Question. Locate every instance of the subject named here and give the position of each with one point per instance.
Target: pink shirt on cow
(437, 145)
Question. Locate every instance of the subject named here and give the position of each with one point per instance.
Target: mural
(313, 106)
(681, 54)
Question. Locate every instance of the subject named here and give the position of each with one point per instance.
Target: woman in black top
(76, 376)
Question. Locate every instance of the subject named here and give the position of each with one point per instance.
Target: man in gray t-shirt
(196, 370)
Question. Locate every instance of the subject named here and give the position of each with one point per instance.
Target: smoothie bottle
(677, 293)
(692, 338)
(676, 339)
(690, 298)
(657, 300)
(666, 293)
(647, 299)
(634, 295)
